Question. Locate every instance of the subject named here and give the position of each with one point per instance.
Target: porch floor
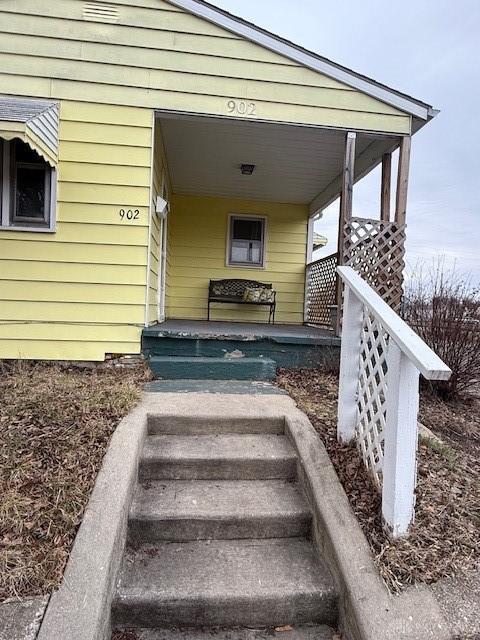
(242, 331)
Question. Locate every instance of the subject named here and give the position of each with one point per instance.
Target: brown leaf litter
(55, 426)
(445, 539)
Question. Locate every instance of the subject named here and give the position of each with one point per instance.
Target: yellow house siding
(87, 289)
(166, 58)
(197, 234)
(79, 293)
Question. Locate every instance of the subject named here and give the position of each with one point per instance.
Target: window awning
(33, 121)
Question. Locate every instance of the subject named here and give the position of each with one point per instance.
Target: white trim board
(306, 58)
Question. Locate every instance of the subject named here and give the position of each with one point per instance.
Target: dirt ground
(445, 539)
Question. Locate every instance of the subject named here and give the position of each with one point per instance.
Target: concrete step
(205, 425)
(219, 457)
(302, 632)
(204, 510)
(212, 368)
(246, 583)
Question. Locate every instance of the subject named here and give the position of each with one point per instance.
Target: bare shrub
(444, 309)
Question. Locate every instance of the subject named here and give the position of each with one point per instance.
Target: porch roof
(293, 164)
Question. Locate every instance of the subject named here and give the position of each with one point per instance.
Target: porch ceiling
(292, 164)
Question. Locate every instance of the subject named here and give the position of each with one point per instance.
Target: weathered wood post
(386, 187)
(346, 207)
(402, 180)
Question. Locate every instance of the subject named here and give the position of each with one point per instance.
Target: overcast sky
(429, 49)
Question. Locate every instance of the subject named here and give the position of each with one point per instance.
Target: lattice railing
(375, 249)
(381, 361)
(321, 290)
(372, 394)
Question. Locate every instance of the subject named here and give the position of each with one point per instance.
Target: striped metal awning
(33, 121)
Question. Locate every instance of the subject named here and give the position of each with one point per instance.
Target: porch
(179, 349)
(276, 179)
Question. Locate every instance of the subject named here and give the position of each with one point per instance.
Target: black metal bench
(232, 291)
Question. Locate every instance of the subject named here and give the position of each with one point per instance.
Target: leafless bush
(444, 309)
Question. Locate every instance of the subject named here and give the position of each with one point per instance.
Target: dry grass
(55, 425)
(445, 539)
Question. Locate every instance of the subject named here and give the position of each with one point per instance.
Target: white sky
(429, 49)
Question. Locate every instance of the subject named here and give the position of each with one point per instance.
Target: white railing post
(306, 299)
(400, 445)
(349, 365)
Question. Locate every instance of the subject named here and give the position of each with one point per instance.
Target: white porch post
(311, 228)
(309, 258)
(400, 444)
(349, 366)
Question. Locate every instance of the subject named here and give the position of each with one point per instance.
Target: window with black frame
(246, 241)
(26, 182)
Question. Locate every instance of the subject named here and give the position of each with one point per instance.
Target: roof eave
(234, 24)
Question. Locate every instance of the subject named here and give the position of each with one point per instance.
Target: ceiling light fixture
(247, 169)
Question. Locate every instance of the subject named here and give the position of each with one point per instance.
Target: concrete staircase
(219, 538)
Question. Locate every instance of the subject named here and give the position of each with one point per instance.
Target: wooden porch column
(402, 180)
(346, 197)
(348, 176)
(346, 209)
(386, 187)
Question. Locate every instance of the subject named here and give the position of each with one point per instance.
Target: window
(246, 246)
(26, 188)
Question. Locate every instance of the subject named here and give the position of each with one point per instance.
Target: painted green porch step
(204, 368)
(286, 351)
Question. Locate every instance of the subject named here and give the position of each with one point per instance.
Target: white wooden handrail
(378, 401)
(410, 343)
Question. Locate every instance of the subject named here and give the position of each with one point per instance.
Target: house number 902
(242, 108)
(129, 214)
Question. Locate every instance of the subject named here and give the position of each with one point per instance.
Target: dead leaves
(55, 425)
(446, 537)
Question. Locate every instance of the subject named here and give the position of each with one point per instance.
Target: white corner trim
(150, 216)
(53, 200)
(310, 60)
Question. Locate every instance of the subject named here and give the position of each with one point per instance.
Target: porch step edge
(208, 368)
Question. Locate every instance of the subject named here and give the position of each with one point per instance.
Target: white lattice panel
(376, 250)
(321, 290)
(372, 394)
(378, 396)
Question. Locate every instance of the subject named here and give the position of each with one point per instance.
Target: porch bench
(231, 291)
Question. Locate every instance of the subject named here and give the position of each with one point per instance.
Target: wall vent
(100, 12)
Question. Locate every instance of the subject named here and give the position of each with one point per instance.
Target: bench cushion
(233, 288)
(258, 294)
